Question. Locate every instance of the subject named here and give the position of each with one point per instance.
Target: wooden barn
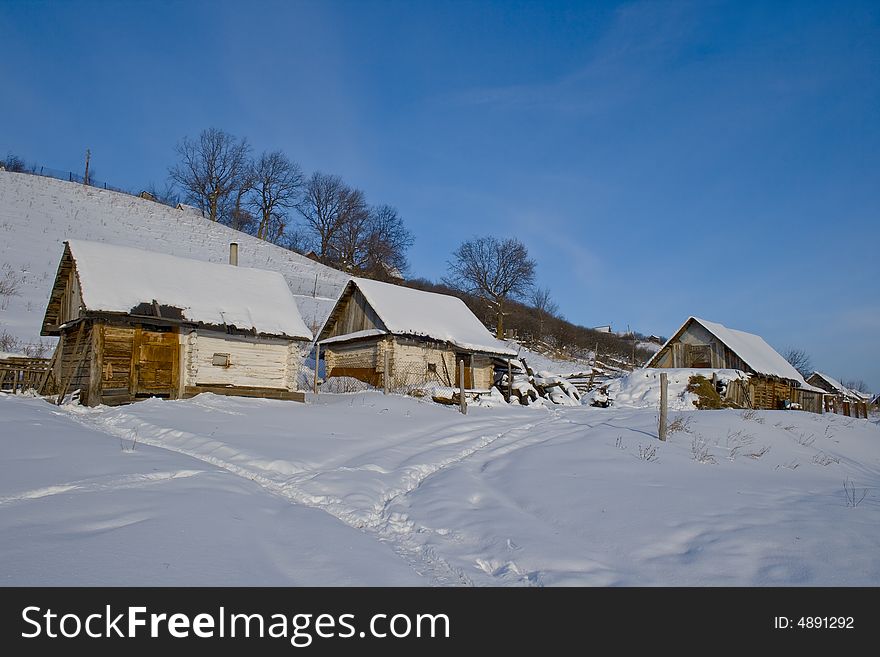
(835, 388)
(135, 324)
(419, 336)
(772, 383)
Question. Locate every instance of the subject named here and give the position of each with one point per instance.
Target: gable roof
(119, 279)
(751, 348)
(405, 311)
(836, 385)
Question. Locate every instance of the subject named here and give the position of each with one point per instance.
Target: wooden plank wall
(73, 364)
(408, 362)
(116, 366)
(362, 360)
(355, 315)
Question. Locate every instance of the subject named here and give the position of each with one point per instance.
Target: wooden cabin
(772, 381)
(835, 388)
(839, 398)
(421, 337)
(135, 324)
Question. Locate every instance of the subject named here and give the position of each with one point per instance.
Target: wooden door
(155, 363)
(468, 370)
(699, 355)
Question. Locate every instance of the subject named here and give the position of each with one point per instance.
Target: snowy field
(369, 489)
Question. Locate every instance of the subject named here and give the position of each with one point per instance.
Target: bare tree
(210, 170)
(544, 306)
(237, 215)
(166, 195)
(800, 360)
(856, 384)
(277, 185)
(14, 163)
(494, 269)
(387, 241)
(347, 248)
(322, 208)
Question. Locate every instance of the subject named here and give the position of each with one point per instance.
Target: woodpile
(526, 387)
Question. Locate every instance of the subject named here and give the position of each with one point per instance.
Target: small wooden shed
(421, 336)
(135, 324)
(835, 388)
(772, 384)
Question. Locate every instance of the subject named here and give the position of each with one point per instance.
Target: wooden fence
(18, 374)
(848, 408)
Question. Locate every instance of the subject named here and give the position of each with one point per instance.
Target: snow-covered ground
(37, 214)
(395, 490)
(78, 507)
(641, 388)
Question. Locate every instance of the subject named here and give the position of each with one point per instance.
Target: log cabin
(134, 324)
(422, 337)
(772, 381)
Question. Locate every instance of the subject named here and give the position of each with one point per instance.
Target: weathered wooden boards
(23, 373)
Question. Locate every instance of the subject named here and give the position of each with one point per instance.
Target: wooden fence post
(462, 399)
(663, 405)
(317, 361)
(509, 381)
(385, 378)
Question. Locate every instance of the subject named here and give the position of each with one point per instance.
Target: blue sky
(659, 160)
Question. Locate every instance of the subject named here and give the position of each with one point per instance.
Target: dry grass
(700, 451)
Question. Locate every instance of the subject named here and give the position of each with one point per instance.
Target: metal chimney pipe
(233, 253)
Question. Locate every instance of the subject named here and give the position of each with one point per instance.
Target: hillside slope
(37, 214)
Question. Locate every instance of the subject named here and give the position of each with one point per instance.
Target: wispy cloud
(642, 38)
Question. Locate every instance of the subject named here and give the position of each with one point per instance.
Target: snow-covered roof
(840, 388)
(405, 311)
(357, 335)
(834, 383)
(118, 279)
(751, 348)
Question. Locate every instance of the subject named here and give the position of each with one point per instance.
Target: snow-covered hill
(37, 214)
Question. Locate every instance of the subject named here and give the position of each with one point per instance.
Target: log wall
(253, 362)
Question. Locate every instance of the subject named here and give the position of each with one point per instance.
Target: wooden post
(317, 360)
(86, 176)
(663, 405)
(385, 379)
(462, 399)
(509, 381)
(96, 367)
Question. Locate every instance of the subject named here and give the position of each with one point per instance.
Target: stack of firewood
(527, 387)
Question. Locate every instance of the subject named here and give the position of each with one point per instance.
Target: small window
(432, 368)
(220, 360)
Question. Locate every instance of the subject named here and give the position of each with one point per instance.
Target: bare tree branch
(799, 360)
(321, 205)
(277, 186)
(211, 168)
(495, 269)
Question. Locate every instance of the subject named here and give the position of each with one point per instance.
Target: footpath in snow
(80, 507)
(502, 496)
